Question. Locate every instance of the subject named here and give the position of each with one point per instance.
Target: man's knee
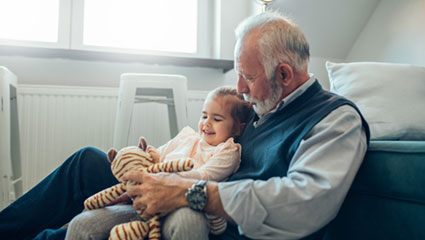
(185, 223)
(92, 156)
(87, 158)
(92, 161)
(90, 171)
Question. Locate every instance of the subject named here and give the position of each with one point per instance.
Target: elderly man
(300, 154)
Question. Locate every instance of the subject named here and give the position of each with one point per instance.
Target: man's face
(252, 79)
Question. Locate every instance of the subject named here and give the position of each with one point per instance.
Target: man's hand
(162, 193)
(123, 199)
(159, 193)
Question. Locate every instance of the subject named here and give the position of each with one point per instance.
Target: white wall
(331, 26)
(227, 17)
(395, 33)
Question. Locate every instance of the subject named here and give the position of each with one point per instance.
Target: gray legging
(184, 223)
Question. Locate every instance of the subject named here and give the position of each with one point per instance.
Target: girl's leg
(58, 197)
(96, 224)
(185, 224)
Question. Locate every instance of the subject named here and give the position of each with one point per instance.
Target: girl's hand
(154, 153)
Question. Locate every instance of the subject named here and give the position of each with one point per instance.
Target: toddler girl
(213, 151)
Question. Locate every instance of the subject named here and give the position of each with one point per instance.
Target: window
(34, 22)
(169, 26)
(37, 21)
(161, 27)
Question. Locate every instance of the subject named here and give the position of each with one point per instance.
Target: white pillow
(391, 97)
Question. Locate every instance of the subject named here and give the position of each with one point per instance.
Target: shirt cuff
(242, 204)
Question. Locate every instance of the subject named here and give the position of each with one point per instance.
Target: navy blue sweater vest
(268, 149)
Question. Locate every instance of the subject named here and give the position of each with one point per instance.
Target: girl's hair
(240, 110)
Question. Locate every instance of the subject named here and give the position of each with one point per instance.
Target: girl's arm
(219, 167)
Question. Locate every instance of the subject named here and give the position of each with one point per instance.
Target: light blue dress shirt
(318, 179)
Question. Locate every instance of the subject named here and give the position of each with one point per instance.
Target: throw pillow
(390, 96)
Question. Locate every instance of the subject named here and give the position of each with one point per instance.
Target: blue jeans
(40, 213)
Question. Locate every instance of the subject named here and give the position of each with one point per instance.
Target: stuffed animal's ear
(142, 143)
(112, 153)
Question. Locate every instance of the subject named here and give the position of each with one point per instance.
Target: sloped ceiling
(331, 26)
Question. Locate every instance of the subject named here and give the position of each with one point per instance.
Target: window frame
(70, 33)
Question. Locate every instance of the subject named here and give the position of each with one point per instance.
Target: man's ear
(284, 74)
(142, 143)
(112, 153)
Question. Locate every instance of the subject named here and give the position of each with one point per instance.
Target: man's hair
(240, 110)
(280, 41)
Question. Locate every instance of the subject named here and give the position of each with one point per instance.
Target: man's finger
(135, 176)
(134, 191)
(124, 198)
(138, 204)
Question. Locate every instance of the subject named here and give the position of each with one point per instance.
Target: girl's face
(216, 123)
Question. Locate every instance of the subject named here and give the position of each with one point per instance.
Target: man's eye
(247, 78)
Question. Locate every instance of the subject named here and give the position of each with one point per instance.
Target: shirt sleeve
(171, 145)
(309, 197)
(221, 165)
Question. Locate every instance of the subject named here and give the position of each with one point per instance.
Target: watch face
(196, 199)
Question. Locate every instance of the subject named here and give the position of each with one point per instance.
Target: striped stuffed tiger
(133, 158)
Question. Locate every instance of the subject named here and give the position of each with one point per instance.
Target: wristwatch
(196, 195)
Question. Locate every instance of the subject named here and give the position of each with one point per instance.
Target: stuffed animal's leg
(104, 197)
(179, 165)
(154, 228)
(129, 231)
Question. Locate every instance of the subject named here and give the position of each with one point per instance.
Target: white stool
(140, 88)
(10, 154)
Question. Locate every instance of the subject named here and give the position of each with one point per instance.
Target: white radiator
(55, 121)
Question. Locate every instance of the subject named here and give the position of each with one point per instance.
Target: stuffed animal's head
(129, 158)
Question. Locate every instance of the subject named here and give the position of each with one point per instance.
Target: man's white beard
(263, 107)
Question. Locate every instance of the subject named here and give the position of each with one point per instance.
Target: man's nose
(242, 86)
